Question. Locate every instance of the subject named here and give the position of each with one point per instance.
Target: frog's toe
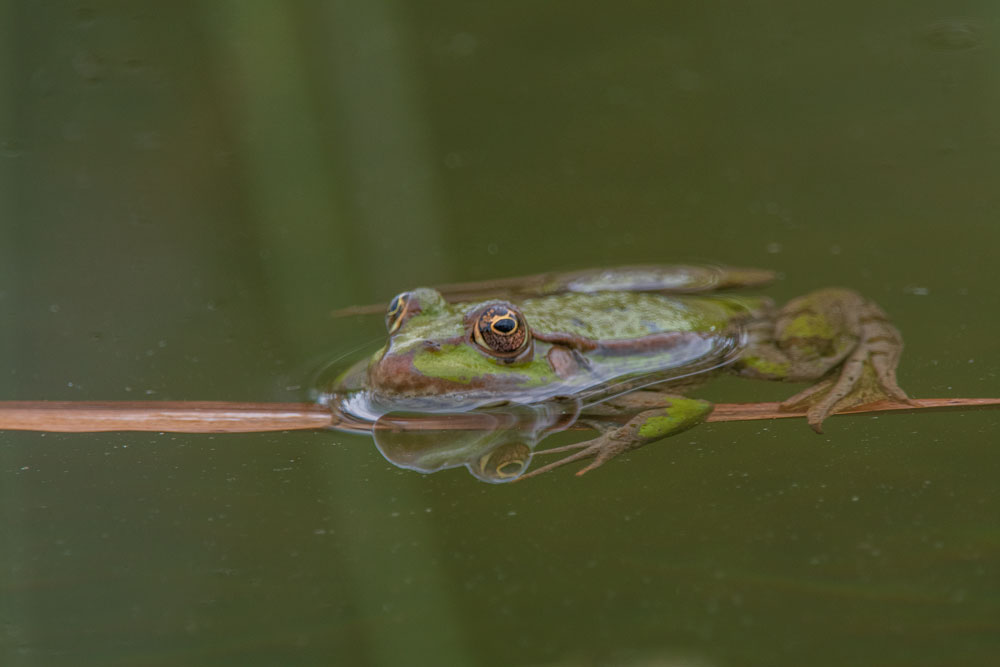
(865, 377)
(885, 371)
(601, 449)
(604, 455)
(865, 368)
(584, 453)
(816, 416)
(808, 395)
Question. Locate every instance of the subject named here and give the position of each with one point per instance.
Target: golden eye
(402, 306)
(501, 330)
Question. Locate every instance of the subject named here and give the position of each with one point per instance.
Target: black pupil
(506, 325)
(394, 306)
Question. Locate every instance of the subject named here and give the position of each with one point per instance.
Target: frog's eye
(500, 330)
(400, 309)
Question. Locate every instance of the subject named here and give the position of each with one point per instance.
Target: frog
(618, 351)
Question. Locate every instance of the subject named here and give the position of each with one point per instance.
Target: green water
(188, 189)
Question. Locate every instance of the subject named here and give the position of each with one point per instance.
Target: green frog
(615, 350)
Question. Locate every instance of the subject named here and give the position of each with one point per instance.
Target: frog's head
(470, 353)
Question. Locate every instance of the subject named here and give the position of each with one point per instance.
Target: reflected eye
(501, 330)
(503, 464)
(510, 468)
(400, 309)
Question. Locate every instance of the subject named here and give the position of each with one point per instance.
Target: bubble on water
(462, 45)
(89, 65)
(149, 140)
(72, 131)
(687, 80)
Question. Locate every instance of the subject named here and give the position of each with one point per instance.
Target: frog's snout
(394, 374)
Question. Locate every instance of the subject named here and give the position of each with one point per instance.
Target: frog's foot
(602, 449)
(670, 415)
(867, 375)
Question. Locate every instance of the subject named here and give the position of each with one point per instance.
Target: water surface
(187, 190)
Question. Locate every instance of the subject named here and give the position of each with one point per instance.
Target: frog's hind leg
(654, 416)
(867, 374)
(835, 336)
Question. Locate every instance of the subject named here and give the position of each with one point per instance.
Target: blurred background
(187, 190)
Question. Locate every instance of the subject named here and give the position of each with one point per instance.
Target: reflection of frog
(618, 348)
(492, 452)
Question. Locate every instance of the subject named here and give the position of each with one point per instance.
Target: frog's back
(629, 315)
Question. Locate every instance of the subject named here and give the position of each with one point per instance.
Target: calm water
(188, 189)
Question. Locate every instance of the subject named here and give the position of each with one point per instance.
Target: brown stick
(225, 417)
(729, 412)
(169, 416)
